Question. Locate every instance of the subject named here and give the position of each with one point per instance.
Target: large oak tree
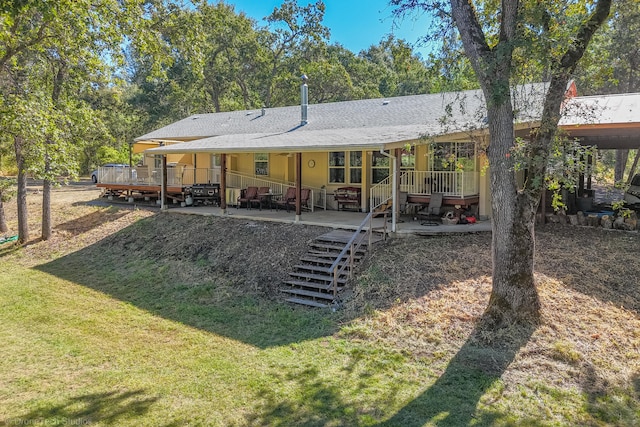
(501, 39)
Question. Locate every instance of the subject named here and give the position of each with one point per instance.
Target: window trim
(256, 161)
(342, 167)
(375, 168)
(358, 167)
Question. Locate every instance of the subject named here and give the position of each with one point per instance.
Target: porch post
(394, 187)
(163, 187)
(396, 197)
(394, 194)
(223, 183)
(298, 186)
(130, 162)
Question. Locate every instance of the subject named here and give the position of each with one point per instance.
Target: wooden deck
(142, 190)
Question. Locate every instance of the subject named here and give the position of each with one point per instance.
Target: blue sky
(355, 24)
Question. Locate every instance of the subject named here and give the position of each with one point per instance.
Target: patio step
(384, 207)
(321, 261)
(317, 277)
(310, 283)
(332, 255)
(319, 269)
(337, 248)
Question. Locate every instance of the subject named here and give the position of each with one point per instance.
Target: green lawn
(73, 353)
(98, 334)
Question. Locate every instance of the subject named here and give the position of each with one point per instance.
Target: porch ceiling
(609, 140)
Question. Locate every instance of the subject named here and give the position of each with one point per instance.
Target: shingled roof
(368, 123)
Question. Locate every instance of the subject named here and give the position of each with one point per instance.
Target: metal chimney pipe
(304, 95)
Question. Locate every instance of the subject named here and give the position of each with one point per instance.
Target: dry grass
(422, 298)
(427, 296)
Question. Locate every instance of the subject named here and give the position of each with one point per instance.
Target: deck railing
(182, 176)
(143, 175)
(237, 180)
(451, 184)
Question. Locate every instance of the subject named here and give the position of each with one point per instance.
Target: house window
(452, 156)
(337, 167)
(408, 159)
(355, 167)
(379, 167)
(261, 162)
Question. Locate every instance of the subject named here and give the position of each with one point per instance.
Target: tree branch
(585, 33)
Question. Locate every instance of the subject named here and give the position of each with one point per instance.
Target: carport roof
(606, 121)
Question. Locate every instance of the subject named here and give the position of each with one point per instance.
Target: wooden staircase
(311, 282)
(385, 207)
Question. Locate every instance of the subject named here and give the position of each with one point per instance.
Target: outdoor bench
(348, 196)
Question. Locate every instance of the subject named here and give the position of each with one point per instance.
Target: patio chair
(431, 214)
(305, 193)
(287, 200)
(249, 195)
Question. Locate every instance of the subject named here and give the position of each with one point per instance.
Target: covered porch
(346, 220)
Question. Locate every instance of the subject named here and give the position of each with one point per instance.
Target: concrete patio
(406, 226)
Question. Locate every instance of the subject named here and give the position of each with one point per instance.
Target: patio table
(267, 198)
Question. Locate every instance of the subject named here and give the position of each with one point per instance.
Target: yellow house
(396, 151)
(403, 148)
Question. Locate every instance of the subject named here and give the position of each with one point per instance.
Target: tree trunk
(58, 81)
(21, 199)
(634, 166)
(514, 296)
(621, 164)
(3, 219)
(46, 210)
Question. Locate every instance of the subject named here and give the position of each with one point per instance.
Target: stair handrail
(380, 193)
(335, 270)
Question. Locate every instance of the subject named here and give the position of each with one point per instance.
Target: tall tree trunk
(46, 209)
(514, 296)
(47, 184)
(21, 199)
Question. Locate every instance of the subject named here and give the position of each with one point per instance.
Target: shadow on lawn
(91, 221)
(108, 408)
(611, 404)
(596, 262)
(451, 400)
(196, 279)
